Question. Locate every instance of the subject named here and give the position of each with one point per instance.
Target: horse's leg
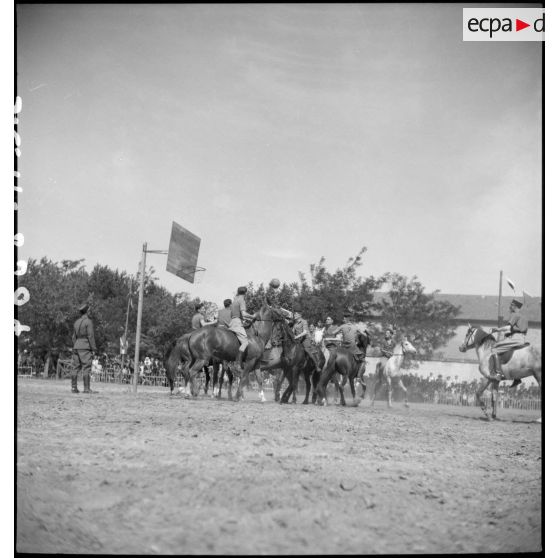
(478, 397)
(207, 379)
(388, 379)
(215, 379)
(193, 372)
(277, 381)
(341, 388)
(404, 391)
(230, 377)
(244, 373)
(494, 398)
(258, 374)
(292, 376)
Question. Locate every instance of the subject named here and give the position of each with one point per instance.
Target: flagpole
(138, 326)
(500, 317)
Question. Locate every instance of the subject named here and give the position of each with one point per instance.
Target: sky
(279, 134)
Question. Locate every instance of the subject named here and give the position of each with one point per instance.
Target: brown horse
(342, 363)
(291, 358)
(209, 343)
(524, 362)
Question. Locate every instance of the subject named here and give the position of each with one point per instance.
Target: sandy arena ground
(118, 473)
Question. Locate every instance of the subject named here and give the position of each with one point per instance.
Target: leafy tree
(430, 323)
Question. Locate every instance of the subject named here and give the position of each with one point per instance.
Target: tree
(429, 322)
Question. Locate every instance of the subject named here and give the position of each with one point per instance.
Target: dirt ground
(118, 473)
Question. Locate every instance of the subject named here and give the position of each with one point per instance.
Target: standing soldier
(84, 346)
(239, 313)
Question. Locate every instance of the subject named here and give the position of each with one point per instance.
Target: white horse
(391, 371)
(523, 363)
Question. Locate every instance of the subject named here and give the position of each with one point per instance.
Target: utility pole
(138, 326)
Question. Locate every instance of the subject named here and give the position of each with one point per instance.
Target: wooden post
(138, 326)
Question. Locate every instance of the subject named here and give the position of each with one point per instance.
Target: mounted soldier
(238, 315)
(349, 333)
(302, 333)
(514, 338)
(386, 349)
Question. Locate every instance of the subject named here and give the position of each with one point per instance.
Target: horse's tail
(175, 355)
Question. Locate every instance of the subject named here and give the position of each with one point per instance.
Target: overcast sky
(280, 134)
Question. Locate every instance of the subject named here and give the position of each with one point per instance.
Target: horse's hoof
(305, 402)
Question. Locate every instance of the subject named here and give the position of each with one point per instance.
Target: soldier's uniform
(238, 313)
(386, 350)
(349, 333)
(310, 348)
(84, 346)
(514, 337)
(224, 315)
(197, 320)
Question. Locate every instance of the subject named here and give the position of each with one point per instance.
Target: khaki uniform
(84, 346)
(237, 308)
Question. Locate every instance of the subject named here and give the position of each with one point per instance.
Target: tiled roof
(485, 307)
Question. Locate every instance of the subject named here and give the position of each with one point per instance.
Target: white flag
(510, 283)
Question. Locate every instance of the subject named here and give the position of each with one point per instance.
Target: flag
(528, 294)
(510, 283)
(123, 345)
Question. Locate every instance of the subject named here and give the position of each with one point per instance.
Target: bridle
(465, 345)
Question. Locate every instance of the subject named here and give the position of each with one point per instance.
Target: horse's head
(473, 338)
(363, 340)
(407, 347)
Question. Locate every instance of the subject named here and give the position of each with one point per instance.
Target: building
(477, 310)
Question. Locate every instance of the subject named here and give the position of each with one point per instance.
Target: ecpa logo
(503, 24)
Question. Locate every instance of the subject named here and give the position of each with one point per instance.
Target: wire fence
(115, 375)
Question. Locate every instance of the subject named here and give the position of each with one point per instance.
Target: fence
(26, 371)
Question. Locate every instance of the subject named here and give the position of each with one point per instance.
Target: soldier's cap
(347, 314)
(241, 290)
(516, 303)
(83, 308)
(227, 302)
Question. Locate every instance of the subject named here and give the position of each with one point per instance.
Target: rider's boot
(496, 373)
(74, 384)
(87, 384)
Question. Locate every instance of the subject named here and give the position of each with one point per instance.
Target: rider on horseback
(514, 337)
(386, 349)
(301, 331)
(239, 313)
(349, 333)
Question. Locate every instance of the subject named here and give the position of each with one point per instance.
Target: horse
(218, 343)
(523, 362)
(391, 371)
(342, 364)
(292, 359)
(177, 358)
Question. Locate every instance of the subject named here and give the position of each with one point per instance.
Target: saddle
(505, 357)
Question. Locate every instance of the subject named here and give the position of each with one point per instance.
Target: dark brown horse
(347, 367)
(292, 359)
(210, 343)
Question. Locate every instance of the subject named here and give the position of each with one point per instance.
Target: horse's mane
(484, 338)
